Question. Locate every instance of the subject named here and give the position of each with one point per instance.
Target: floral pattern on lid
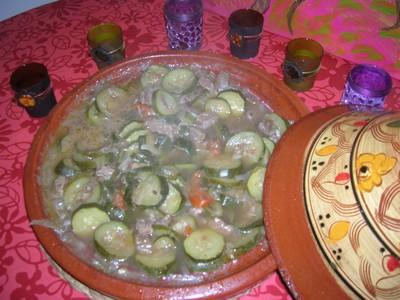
(377, 166)
(354, 254)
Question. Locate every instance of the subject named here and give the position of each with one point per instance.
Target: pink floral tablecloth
(55, 35)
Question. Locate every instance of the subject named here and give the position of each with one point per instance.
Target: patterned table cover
(55, 35)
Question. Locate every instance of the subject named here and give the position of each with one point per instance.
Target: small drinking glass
(106, 44)
(184, 23)
(366, 87)
(302, 62)
(33, 90)
(245, 29)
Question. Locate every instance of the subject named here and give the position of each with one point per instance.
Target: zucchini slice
(249, 215)
(246, 145)
(279, 123)
(218, 106)
(91, 161)
(84, 189)
(129, 128)
(247, 240)
(162, 230)
(203, 266)
(152, 191)
(269, 148)
(255, 183)
(269, 145)
(178, 81)
(164, 103)
(204, 244)
(84, 162)
(235, 100)
(161, 258)
(86, 219)
(173, 201)
(94, 116)
(222, 165)
(153, 75)
(112, 100)
(135, 135)
(224, 181)
(114, 240)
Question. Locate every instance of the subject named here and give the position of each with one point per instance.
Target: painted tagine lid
(334, 222)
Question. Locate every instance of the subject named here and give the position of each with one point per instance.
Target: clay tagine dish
(76, 224)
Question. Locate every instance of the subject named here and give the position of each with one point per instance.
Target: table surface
(55, 35)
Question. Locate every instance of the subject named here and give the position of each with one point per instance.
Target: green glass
(106, 44)
(302, 62)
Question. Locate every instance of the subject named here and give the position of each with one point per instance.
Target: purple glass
(366, 88)
(184, 23)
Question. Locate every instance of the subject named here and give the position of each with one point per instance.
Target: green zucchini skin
(236, 101)
(162, 257)
(80, 190)
(114, 240)
(164, 103)
(151, 192)
(174, 200)
(178, 81)
(87, 218)
(218, 106)
(255, 183)
(111, 100)
(247, 145)
(204, 244)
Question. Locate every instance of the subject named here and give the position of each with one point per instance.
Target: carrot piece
(144, 110)
(197, 196)
(119, 200)
(200, 199)
(188, 230)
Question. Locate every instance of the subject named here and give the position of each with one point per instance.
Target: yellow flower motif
(370, 169)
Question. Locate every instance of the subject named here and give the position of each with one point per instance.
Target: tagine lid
(323, 243)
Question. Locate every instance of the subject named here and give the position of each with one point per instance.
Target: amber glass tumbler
(106, 44)
(302, 62)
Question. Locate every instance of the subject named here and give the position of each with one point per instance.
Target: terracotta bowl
(337, 224)
(250, 269)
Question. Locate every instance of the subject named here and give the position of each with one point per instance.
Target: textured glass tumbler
(184, 23)
(366, 88)
(106, 44)
(33, 90)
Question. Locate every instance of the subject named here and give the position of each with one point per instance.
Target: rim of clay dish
(301, 263)
(250, 269)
